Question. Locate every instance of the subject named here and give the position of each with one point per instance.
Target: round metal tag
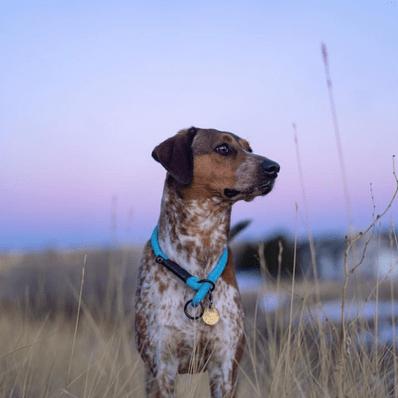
(210, 316)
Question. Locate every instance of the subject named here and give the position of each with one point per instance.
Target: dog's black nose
(271, 168)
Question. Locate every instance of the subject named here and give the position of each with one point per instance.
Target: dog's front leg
(223, 377)
(162, 382)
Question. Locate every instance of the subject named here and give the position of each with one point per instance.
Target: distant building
(378, 258)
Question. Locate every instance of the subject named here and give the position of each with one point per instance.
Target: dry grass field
(66, 330)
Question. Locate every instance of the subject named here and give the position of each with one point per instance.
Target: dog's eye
(223, 149)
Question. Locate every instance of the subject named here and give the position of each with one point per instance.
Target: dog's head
(208, 162)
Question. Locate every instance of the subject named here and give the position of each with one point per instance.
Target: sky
(88, 89)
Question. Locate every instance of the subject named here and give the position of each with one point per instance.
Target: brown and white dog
(207, 172)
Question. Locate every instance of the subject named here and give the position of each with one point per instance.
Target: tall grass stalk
(79, 304)
(337, 134)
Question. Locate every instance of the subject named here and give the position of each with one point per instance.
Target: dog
(207, 172)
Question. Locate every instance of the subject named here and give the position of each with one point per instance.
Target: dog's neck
(193, 232)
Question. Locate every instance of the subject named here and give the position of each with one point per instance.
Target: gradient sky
(87, 89)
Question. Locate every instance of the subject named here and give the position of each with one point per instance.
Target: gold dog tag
(210, 316)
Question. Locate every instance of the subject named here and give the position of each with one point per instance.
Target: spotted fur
(193, 230)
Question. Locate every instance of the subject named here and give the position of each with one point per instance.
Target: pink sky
(88, 91)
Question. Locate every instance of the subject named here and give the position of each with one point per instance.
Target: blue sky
(88, 89)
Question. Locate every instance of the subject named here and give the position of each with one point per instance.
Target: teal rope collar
(201, 286)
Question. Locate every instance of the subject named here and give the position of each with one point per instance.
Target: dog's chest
(163, 297)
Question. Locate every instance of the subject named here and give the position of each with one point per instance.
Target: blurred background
(88, 89)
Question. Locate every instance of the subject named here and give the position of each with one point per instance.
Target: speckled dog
(207, 172)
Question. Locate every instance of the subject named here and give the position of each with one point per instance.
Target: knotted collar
(201, 286)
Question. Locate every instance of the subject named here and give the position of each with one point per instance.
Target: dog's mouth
(266, 187)
(231, 193)
(248, 194)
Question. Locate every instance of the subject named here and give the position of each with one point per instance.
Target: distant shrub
(278, 254)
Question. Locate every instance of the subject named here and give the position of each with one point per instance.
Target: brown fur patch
(244, 144)
(212, 174)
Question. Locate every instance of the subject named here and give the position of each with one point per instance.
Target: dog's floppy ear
(175, 155)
